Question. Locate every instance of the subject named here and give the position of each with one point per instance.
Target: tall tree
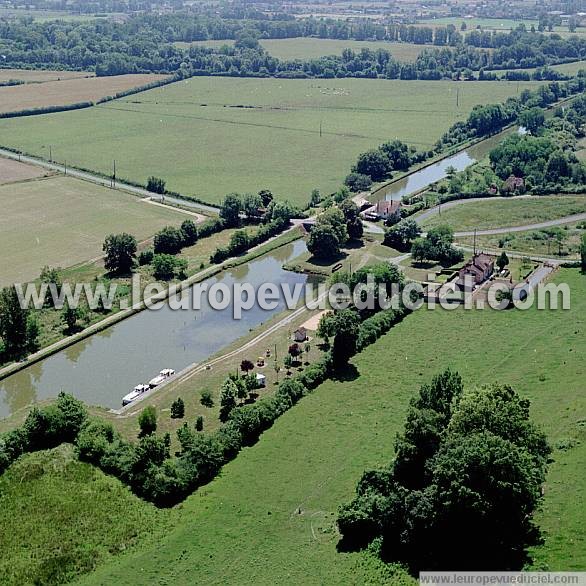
(230, 209)
(120, 251)
(13, 322)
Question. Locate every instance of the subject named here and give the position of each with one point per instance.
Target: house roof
(478, 265)
(387, 207)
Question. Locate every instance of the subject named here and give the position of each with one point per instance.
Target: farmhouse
(475, 271)
(383, 210)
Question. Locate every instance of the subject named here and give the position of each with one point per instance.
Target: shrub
(178, 409)
(147, 421)
(146, 257)
(207, 399)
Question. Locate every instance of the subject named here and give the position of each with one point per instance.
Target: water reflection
(101, 369)
(421, 179)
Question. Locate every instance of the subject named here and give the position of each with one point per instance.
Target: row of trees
(378, 164)
(145, 43)
(463, 487)
(491, 118)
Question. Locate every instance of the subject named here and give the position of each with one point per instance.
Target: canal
(437, 171)
(101, 369)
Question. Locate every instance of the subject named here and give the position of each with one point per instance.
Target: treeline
(542, 160)
(147, 466)
(145, 44)
(241, 241)
(492, 118)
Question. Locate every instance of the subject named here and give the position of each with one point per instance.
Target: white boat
(165, 374)
(134, 394)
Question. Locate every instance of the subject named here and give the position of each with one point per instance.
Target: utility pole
(474, 242)
(65, 165)
(457, 97)
(320, 126)
(113, 183)
(50, 154)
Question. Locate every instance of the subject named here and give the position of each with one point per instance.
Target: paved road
(105, 181)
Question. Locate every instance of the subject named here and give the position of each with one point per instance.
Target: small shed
(261, 380)
(300, 334)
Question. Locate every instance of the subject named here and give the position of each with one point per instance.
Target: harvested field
(60, 221)
(34, 76)
(70, 91)
(11, 171)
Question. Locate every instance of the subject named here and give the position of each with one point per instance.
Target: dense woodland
(145, 44)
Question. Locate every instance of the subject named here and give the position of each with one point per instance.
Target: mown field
(61, 517)
(311, 48)
(501, 213)
(209, 136)
(60, 221)
(533, 242)
(68, 91)
(36, 76)
(270, 517)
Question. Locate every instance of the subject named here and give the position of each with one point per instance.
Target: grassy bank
(61, 517)
(270, 517)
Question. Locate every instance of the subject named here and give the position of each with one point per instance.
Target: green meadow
(501, 213)
(270, 516)
(208, 136)
(311, 48)
(61, 517)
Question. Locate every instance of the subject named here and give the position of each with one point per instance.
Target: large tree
(401, 235)
(323, 243)
(463, 488)
(345, 328)
(120, 251)
(16, 323)
(374, 163)
(230, 209)
(169, 240)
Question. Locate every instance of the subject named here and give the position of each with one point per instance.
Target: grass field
(310, 48)
(68, 91)
(60, 221)
(487, 214)
(269, 518)
(34, 76)
(534, 242)
(87, 517)
(208, 136)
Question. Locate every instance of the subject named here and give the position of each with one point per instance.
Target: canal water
(103, 368)
(428, 175)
